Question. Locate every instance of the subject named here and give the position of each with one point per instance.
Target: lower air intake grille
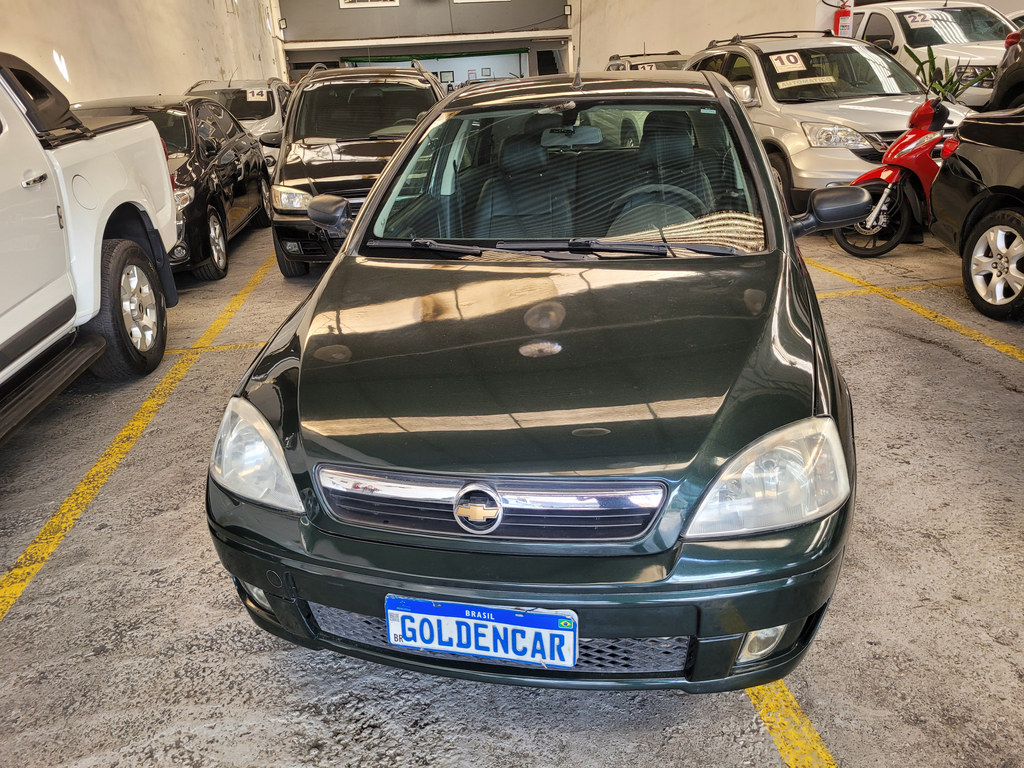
(598, 655)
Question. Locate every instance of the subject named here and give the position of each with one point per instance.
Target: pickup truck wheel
(133, 313)
(216, 248)
(262, 218)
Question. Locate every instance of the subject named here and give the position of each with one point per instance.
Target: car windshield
(244, 103)
(342, 111)
(836, 72)
(533, 179)
(666, 64)
(949, 26)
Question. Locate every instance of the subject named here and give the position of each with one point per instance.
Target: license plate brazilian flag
(522, 635)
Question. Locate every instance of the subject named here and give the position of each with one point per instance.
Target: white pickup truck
(86, 216)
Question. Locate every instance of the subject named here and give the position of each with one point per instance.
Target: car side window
(225, 122)
(857, 19)
(738, 70)
(711, 63)
(206, 125)
(878, 28)
(282, 96)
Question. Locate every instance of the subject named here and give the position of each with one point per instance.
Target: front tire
(133, 313)
(216, 248)
(262, 218)
(993, 265)
(890, 230)
(780, 172)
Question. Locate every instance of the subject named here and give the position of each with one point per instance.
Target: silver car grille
(533, 510)
(597, 655)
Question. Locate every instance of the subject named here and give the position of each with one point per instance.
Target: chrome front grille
(533, 510)
(597, 655)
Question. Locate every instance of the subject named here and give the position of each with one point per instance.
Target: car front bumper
(328, 592)
(818, 168)
(296, 238)
(191, 249)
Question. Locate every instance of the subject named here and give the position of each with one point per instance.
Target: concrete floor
(130, 647)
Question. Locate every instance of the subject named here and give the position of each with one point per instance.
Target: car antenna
(577, 82)
(232, 77)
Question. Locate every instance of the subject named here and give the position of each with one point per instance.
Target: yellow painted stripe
(217, 348)
(796, 739)
(900, 289)
(56, 528)
(946, 322)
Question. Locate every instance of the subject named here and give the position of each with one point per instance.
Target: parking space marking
(946, 322)
(795, 737)
(216, 348)
(901, 289)
(49, 538)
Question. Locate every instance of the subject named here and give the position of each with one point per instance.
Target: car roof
(786, 41)
(646, 56)
(632, 83)
(362, 73)
(218, 85)
(159, 101)
(913, 5)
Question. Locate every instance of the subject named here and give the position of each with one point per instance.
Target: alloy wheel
(218, 246)
(996, 265)
(265, 198)
(138, 308)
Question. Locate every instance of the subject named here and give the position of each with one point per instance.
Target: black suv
(1008, 89)
(342, 127)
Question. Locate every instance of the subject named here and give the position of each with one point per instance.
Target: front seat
(667, 154)
(523, 203)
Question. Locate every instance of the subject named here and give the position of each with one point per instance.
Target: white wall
(624, 26)
(137, 47)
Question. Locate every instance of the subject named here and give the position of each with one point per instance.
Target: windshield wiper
(424, 244)
(589, 245)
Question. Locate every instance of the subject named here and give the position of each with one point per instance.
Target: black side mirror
(272, 139)
(331, 213)
(833, 208)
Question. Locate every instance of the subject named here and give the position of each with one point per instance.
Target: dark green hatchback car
(562, 412)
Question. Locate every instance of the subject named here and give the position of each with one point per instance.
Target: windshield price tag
(788, 62)
(256, 94)
(918, 20)
(807, 81)
(646, 66)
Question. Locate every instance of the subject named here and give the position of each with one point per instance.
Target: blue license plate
(522, 635)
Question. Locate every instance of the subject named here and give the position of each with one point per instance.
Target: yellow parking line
(947, 322)
(49, 538)
(900, 289)
(216, 348)
(796, 739)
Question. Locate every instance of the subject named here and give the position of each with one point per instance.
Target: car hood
(335, 168)
(653, 367)
(876, 114)
(259, 127)
(988, 53)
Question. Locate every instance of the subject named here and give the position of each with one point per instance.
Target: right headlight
(289, 199)
(831, 135)
(791, 476)
(248, 459)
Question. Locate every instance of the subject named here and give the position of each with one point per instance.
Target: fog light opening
(259, 596)
(179, 252)
(292, 247)
(758, 644)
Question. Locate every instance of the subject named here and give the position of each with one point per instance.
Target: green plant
(943, 81)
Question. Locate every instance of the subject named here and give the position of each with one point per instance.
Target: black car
(978, 209)
(217, 168)
(1008, 88)
(342, 127)
(562, 413)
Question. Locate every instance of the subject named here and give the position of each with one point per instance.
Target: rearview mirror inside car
(833, 208)
(747, 94)
(271, 139)
(571, 136)
(331, 214)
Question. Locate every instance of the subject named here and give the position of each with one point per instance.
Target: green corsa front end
(587, 472)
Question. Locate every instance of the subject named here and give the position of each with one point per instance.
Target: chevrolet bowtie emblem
(478, 508)
(477, 512)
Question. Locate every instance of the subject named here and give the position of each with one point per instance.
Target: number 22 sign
(788, 62)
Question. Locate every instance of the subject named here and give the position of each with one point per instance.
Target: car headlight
(791, 476)
(248, 459)
(288, 199)
(831, 135)
(968, 73)
(183, 196)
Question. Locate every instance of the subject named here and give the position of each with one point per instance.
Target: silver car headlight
(288, 199)
(183, 196)
(831, 135)
(791, 476)
(248, 459)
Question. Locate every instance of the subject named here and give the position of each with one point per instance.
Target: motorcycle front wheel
(889, 230)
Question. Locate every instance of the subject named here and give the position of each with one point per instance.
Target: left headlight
(831, 135)
(791, 476)
(288, 199)
(183, 196)
(248, 459)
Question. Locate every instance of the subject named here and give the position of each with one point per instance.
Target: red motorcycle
(900, 187)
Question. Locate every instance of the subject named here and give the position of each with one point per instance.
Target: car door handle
(34, 181)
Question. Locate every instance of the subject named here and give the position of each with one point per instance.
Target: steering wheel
(659, 194)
